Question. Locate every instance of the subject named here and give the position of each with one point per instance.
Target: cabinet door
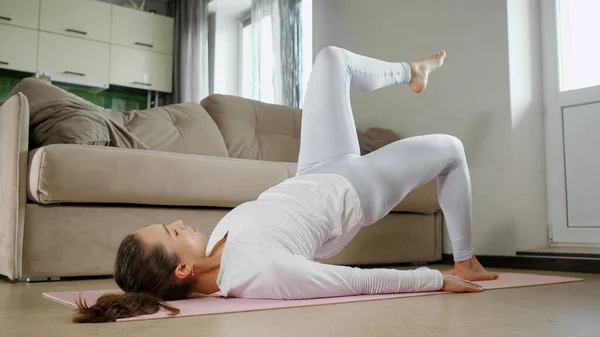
(141, 30)
(81, 18)
(18, 49)
(22, 13)
(140, 69)
(77, 58)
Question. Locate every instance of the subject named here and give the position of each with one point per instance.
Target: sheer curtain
(190, 50)
(277, 39)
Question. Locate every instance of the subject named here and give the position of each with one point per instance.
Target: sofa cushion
(180, 128)
(256, 130)
(89, 174)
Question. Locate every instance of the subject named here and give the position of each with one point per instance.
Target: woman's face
(185, 242)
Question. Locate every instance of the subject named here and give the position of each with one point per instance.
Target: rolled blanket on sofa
(57, 116)
(69, 121)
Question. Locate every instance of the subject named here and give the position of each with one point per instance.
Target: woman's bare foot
(419, 71)
(472, 270)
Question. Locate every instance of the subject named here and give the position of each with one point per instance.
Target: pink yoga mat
(217, 305)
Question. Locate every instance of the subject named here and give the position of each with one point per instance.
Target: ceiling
(229, 7)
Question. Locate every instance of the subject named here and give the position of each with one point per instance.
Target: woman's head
(154, 264)
(185, 242)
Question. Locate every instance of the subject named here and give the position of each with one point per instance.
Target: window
(307, 50)
(578, 47)
(246, 65)
(250, 81)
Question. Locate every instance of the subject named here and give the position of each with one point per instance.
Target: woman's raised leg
(384, 177)
(328, 128)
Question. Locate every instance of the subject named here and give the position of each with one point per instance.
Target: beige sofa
(64, 208)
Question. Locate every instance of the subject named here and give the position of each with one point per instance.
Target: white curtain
(277, 66)
(190, 50)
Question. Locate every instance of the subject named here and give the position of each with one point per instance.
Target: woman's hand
(457, 285)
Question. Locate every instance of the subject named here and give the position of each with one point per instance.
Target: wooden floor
(557, 310)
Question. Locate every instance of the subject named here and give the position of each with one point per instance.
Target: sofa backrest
(256, 130)
(181, 128)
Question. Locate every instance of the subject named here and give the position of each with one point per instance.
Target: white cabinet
(18, 48)
(79, 18)
(22, 13)
(141, 50)
(72, 57)
(141, 30)
(88, 40)
(140, 69)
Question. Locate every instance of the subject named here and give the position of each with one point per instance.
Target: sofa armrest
(14, 139)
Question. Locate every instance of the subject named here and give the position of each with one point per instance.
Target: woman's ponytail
(111, 307)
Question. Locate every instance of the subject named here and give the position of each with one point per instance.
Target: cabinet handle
(74, 73)
(4, 63)
(5, 18)
(144, 45)
(143, 83)
(76, 31)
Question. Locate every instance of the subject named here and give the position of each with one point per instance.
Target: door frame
(554, 103)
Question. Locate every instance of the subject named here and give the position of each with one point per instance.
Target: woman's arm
(294, 277)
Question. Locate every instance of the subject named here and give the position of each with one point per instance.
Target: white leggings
(329, 144)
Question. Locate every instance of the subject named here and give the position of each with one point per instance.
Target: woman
(265, 248)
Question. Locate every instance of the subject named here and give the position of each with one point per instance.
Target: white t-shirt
(272, 241)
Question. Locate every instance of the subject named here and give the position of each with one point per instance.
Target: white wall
(226, 58)
(470, 97)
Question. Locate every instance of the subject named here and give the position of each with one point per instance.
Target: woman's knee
(331, 55)
(452, 147)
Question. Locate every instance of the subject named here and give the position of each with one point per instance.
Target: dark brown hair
(145, 274)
